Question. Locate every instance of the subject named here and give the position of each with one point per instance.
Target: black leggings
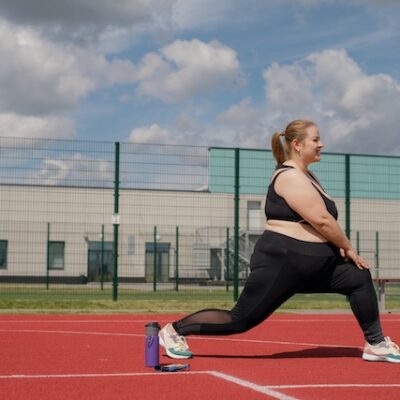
(281, 267)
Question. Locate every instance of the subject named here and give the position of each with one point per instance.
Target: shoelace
(180, 341)
(391, 344)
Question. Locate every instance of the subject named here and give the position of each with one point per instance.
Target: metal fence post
(155, 259)
(236, 227)
(48, 256)
(227, 258)
(116, 222)
(347, 195)
(358, 242)
(102, 258)
(377, 253)
(177, 258)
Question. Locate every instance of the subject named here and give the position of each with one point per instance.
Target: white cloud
(12, 125)
(78, 12)
(243, 125)
(185, 130)
(290, 86)
(191, 14)
(77, 170)
(356, 111)
(108, 25)
(43, 80)
(240, 125)
(187, 68)
(373, 3)
(151, 134)
(41, 77)
(241, 114)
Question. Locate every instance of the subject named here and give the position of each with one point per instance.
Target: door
(98, 255)
(157, 262)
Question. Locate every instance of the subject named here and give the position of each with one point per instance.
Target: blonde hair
(281, 141)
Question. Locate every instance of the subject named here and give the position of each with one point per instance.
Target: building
(64, 231)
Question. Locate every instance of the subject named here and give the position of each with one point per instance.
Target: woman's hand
(351, 255)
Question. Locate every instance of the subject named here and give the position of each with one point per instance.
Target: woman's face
(311, 146)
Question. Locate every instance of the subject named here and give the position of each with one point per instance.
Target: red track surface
(288, 357)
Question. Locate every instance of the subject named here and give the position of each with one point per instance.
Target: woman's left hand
(353, 256)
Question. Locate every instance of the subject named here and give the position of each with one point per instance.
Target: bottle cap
(152, 328)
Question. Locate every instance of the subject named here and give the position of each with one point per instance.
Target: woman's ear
(296, 145)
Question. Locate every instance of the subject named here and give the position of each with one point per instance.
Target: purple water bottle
(152, 353)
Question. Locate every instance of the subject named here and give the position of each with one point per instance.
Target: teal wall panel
(371, 177)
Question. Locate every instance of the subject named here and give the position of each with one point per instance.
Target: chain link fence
(114, 220)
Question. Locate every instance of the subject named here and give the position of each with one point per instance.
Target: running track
(288, 357)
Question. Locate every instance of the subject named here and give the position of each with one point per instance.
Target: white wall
(77, 214)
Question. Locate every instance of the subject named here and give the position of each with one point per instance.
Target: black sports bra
(276, 206)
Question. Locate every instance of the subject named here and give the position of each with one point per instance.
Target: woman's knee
(362, 278)
(243, 324)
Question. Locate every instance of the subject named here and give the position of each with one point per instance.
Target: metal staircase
(246, 246)
(215, 239)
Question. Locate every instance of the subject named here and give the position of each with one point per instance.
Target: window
(56, 255)
(3, 254)
(254, 216)
(131, 245)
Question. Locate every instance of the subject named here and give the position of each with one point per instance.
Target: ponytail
(279, 147)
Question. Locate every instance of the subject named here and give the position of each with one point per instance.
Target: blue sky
(196, 72)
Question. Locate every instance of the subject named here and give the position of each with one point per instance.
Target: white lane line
(250, 385)
(270, 390)
(336, 385)
(110, 375)
(279, 342)
(208, 338)
(71, 332)
(230, 378)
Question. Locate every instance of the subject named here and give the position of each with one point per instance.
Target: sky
(200, 72)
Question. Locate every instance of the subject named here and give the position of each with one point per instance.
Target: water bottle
(152, 353)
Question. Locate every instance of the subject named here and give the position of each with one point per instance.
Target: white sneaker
(383, 351)
(175, 345)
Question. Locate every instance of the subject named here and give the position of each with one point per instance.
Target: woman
(303, 249)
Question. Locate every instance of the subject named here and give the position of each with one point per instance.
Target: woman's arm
(304, 198)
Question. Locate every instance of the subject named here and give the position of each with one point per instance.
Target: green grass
(18, 299)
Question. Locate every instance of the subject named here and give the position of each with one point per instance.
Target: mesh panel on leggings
(208, 316)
